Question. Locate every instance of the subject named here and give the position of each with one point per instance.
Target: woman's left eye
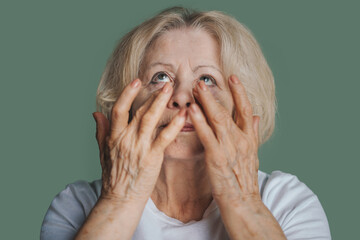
(210, 81)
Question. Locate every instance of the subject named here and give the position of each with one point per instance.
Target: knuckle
(115, 113)
(239, 90)
(144, 125)
(139, 113)
(142, 131)
(221, 117)
(163, 140)
(110, 142)
(164, 137)
(113, 154)
(247, 110)
(147, 118)
(221, 164)
(122, 145)
(142, 109)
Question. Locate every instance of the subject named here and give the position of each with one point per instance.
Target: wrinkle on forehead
(189, 48)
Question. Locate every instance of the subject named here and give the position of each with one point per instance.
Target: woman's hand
(231, 156)
(130, 158)
(230, 147)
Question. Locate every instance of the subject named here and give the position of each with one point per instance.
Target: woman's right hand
(130, 156)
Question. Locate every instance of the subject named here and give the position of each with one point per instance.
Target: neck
(183, 189)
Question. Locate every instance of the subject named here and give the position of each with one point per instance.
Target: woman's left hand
(231, 147)
(231, 156)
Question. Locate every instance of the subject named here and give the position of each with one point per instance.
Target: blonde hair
(240, 55)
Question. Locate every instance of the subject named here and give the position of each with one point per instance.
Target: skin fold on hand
(130, 159)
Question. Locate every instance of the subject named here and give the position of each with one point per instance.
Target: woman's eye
(160, 77)
(210, 81)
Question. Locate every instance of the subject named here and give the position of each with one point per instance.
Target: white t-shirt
(293, 204)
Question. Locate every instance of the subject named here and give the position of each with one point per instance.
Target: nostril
(175, 104)
(188, 104)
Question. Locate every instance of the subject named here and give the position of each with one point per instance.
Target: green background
(52, 54)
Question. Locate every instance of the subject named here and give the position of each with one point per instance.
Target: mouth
(188, 127)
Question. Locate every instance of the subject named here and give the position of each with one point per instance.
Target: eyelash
(168, 75)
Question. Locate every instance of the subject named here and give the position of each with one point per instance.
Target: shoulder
(83, 190)
(80, 193)
(294, 205)
(69, 209)
(278, 184)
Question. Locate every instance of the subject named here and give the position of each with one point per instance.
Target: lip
(188, 127)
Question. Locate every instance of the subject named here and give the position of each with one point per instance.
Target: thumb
(256, 120)
(102, 129)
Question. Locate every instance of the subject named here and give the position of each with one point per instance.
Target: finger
(216, 114)
(139, 114)
(169, 133)
(243, 108)
(204, 131)
(120, 110)
(102, 128)
(151, 118)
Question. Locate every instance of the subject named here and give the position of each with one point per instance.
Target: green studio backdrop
(53, 53)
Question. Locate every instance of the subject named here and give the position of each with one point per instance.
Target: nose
(182, 97)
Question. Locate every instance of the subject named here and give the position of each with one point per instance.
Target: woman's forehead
(197, 47)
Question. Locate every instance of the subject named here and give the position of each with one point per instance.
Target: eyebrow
(194, 70)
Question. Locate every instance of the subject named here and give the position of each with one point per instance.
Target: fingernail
(234, 80)
(135, 83)
(166, 88)
(202, 86)
(182, 112)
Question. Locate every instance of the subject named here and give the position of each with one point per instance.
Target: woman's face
(183, 57)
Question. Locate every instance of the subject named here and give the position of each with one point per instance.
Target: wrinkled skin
(130, 159)
(132, 153)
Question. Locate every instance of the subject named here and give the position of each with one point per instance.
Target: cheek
(225, 99)
(151, 88)
(140, 100)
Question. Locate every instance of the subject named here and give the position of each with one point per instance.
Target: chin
(185, 146)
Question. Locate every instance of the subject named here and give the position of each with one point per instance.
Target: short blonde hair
(240, 55)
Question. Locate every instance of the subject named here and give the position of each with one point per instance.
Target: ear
(256, 121)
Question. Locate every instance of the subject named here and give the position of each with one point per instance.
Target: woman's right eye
(160, 77)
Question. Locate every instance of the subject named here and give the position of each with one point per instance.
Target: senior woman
(184, 103)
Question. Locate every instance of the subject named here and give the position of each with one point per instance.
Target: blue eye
(210, 81)
(160, 77)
